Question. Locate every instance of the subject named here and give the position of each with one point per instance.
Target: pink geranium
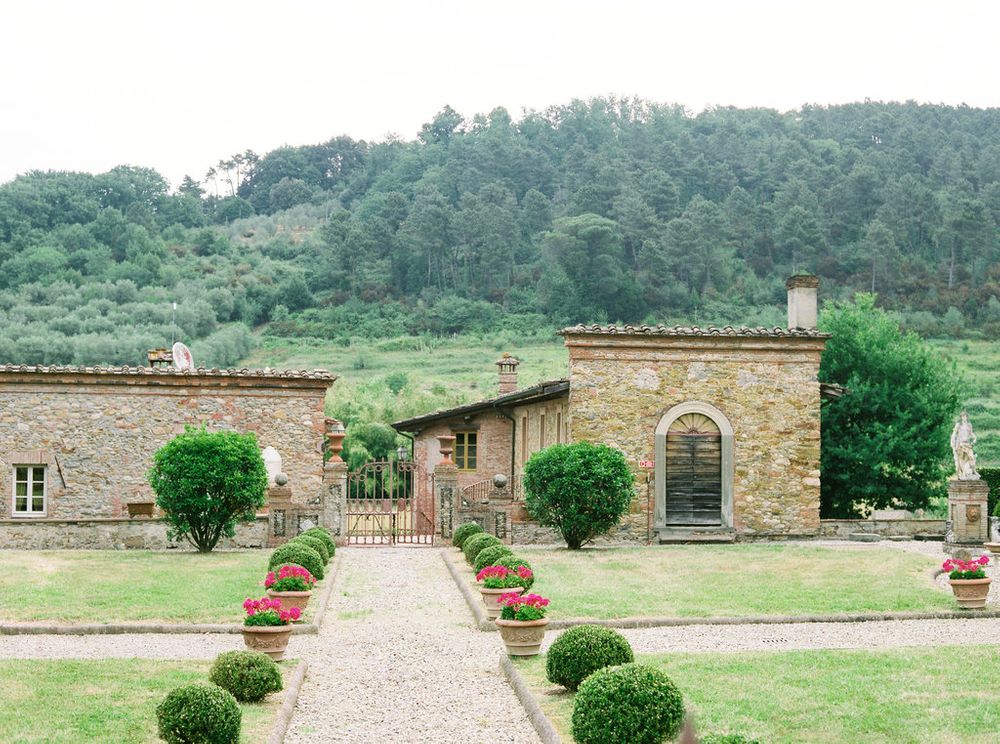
(267, 611)
(975, 568)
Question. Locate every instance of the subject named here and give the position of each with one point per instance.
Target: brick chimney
(508, 373)
(802, 301)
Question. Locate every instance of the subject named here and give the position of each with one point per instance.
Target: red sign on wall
(647, 464)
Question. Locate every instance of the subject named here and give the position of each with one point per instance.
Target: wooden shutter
(694, 471)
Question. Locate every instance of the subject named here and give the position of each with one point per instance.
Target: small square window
(29, 490)
(466, 446)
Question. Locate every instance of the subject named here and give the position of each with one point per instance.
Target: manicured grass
(942, 695)
(732, 580)
(110, 700)
(108, 586)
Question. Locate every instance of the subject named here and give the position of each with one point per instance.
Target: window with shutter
(693, 471)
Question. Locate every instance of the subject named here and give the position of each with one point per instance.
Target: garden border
(545, 729)
(31, 628)
(660, 622)
(284, 718)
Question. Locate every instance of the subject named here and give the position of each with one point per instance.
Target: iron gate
(390, 503)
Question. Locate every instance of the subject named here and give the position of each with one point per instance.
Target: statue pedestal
(967, 515)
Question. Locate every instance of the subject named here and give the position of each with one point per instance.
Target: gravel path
(397, 660)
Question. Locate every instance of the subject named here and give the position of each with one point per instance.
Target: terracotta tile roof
(662, 330)
(125, 370)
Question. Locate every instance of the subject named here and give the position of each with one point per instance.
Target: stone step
(864, 537)
(671, 535)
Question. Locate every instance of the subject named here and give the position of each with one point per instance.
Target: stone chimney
(802, 301)
(508, 373)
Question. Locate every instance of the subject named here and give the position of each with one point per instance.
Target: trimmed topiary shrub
(474, 544)
(463, 532)
(301, 555)
(199, 714)
(636, 703)
(580, 489)
(331, 546)
(487, 556)
(513, 563)
(581, 651)
(316, 544)
(248, 676)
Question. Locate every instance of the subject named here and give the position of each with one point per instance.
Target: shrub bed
(633, 702)
(582, 650)
(463, 532)
(331, 546)
(201, 713)
(249, 676)
(316, 544)
(488, 556)
(301, 555)
(476, 543)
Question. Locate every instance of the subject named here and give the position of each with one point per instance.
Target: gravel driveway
(397, 660)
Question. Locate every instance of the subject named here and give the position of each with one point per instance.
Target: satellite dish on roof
(182, 357)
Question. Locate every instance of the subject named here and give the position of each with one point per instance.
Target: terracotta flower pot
(292, 599)
(971, 593)
(522, 637)
(491, 598)
(271, 639)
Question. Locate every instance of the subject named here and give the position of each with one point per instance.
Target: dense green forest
(606, 210)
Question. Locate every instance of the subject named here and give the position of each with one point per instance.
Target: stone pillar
(967, 515)
(446, 497)
(280, 521)
(334, 500)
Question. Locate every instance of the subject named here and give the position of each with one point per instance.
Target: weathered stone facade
(539, 425)
(96, 430)
(623, 382)
(492, 444)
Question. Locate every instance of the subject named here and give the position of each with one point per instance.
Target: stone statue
(963, 439)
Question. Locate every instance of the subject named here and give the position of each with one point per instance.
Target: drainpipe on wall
(413, 445)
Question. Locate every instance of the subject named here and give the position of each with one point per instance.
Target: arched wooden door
(693, 471)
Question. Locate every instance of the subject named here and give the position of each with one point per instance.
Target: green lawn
(107, 586)
(911, 696)
(111, 700)
(732, 580)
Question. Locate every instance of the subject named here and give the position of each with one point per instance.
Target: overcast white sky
(178, 85)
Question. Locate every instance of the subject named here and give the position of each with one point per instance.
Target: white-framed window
(29, 490)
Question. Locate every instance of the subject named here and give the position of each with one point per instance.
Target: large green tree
(886, 442)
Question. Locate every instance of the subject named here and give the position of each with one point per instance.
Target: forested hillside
(613, 210)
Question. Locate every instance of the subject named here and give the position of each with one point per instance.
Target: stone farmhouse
(721, 426)
(76, 443)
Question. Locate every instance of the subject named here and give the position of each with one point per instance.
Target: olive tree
(580, 489)
(207, 482)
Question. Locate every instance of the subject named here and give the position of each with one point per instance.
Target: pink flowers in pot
(267, 611)
(290, 578)
(500, 577)
(964, 570)
(524, 607)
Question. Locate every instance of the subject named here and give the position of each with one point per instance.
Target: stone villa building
(721, 425)
(76, 443)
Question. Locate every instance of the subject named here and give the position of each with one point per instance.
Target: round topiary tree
(580, 489)
(512, 562)
(249, 676)
(316, 544)
(581, 651)
(636, 703)
(489, 556)
(199, 713)
(331, 546)
(463, 532)
(207, 482)
(476, 543)
(301, 555)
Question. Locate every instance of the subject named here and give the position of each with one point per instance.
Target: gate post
(335, 484)
(446, 488)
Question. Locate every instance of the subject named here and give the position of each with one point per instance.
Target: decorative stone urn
(271, 639)
(491, 598)
(522, 637)
(446, 444)
(335, 435)
(292, 599)
(971, 593)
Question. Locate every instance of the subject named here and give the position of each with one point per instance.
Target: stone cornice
(26, 374)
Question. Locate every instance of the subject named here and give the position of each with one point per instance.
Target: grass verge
(732, 580)
(114, 586)
(903, 696)
(108, 700)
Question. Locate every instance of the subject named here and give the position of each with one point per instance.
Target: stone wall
(538, 426)
(112, 534)
(622, 385)
(97, 429)
(844, 528)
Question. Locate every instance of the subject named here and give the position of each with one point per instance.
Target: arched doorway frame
(660, 451)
